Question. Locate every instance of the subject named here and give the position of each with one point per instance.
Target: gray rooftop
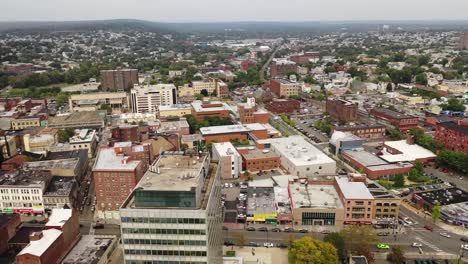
(314, 196)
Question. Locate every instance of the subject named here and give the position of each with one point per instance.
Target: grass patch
(230, 253)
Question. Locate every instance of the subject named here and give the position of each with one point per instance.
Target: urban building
(180, 127)
(117, 102)
(61, 192)
(299, 157)
(224, 133)
(42, 141)
(147, 99)
(394, 119)
(22, 191)
(257, 160)
(316, 205)
(342, 141)
(92, 249)
(284, 88)
(229, 160)
(282, 67)
(211, 85)
(306, 57)
(23, 122)
(366, 131)
(406, 151)
(200, 109)
(283, 106)
(125, 132)
(342, 110)
(174, 215)
(249, 113)
(116, 172)
(247, 64)
(119, 79)
(356, 199)
(91, 119)
(453, 135)
(386, 204)
(84, 139)
(9, 223)
(464, 41)
(174, 110)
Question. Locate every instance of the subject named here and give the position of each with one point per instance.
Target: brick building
(116, 172)
(20, 68)
(247, 64)
(126, 133)
(306, 57)
(280, 106)
(9, 223)
(371, 131)
(357, 200)
(342, 110)
(229, 160)
(118, 80)
(255, 160)
(200, 109)
(464, 41)
(282, 67)
(453, 135)
(249, 113)
(284, 87)
(398, 120)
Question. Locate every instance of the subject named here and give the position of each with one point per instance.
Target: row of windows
(20, 198)
(316, 215)
(162, 262)
(165, 242)
(18, 191)
(165, 252)
(163, 231)
(163, 220)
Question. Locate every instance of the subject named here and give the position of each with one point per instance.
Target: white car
(268, 245)
(465, 246)
(417, 244)
(445, 235)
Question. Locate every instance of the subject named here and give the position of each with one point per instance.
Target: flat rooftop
(314, 196)
(83, 136)
(214, 130)
(60, 186)
(5, 218)
(59, 217)
(409, 152)
(456, 127)
(176, 173)
(261, 200)
(297, 150)
(111, 159)
(355, 127)
(170, 126)
(353, 190)
(199, 106)
(66, 164)
(24, 178)
(38, 247)
(393, 114)
(457, 210)
(89, 250)
(260, 154)
(225, 149)
(77, 119)
(365, 158)
(444, 196)
(174, 107)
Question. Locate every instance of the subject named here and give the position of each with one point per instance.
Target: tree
(310, 251)
(239, 238)
(394, 134)
(399, 181)
(204, 92)
(337, 240)
(396, 255)
(421, 79)
(360, 240)
(65, 134)
(435, 214)
(61, 99)
(453, 104)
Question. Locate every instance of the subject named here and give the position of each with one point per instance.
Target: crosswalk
(430, 245)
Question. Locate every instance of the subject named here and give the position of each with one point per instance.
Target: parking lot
(306, 126)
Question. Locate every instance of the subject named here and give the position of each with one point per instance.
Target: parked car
(415, 244)
(288, 229)
(464, 239)
(229, 243)
(465, 246)
(303, 231)
(447, 235)
(276, 229)
(326, 232)
(250, 228)
(253, 244)
(282, 245)
(268, 245)
(383, 246)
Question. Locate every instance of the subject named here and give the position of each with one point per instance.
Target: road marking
(432, 246)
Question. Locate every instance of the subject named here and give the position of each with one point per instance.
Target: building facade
(363, 131)
(147, 99)
(453, 135)
(117, 102)
(283, 106)
(282, 67)
(284, 87)
(395, 119)
(118, 80)
(342, 110)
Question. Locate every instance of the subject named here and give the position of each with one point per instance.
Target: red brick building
(259, 160)
(453, 135)
(364, 131)
(116, 172)
(210, 109)
(249, 114)
(9, 223)
(118, 80)
(282, 67)
(247, 64)
(342, 110)
(306, 57)
(398, 120)
(280, 106)
(20, 68)
(284, 88)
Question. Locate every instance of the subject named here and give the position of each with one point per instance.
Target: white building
(84, 139)
(147, 99)
(174, 215)
(299, 157)
(210, 85)
(22, 191)
(230, 161)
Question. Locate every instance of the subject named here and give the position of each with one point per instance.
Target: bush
(230, 253)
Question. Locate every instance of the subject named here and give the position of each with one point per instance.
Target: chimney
(409, 139)
(34, 236)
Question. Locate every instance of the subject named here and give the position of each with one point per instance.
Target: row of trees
(196, 124)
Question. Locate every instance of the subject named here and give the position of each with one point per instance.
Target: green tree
(399, 181)
(65, 134)
(204, 92)
(435, 214)
(394, 134)
(310, 251)
(337, 240)
(421, 79)
(396, 255)
(453, 104)
(61, 99)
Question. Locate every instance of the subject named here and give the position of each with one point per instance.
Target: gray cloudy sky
(232, 10)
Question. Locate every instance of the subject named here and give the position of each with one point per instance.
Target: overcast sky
(233, 10)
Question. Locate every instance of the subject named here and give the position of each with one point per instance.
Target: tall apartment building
(342, 110)
(230, 161)
(284, 87)
(116, 172)
(118, 80)
(282, 67)
(453, 135)
(357, 201)
(174, 215)
(147, 99)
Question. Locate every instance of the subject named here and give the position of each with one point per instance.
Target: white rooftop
(353, 190)
(339, 136)
(197, 106)
(38, 247)
(174, 107)
(409, 152)
(108, 159)
(59, 217)
(223, 129)
(225, 149)
(83, 136)
(298, 151)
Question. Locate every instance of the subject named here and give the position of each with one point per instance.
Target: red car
(445, 171)
(430, 228)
